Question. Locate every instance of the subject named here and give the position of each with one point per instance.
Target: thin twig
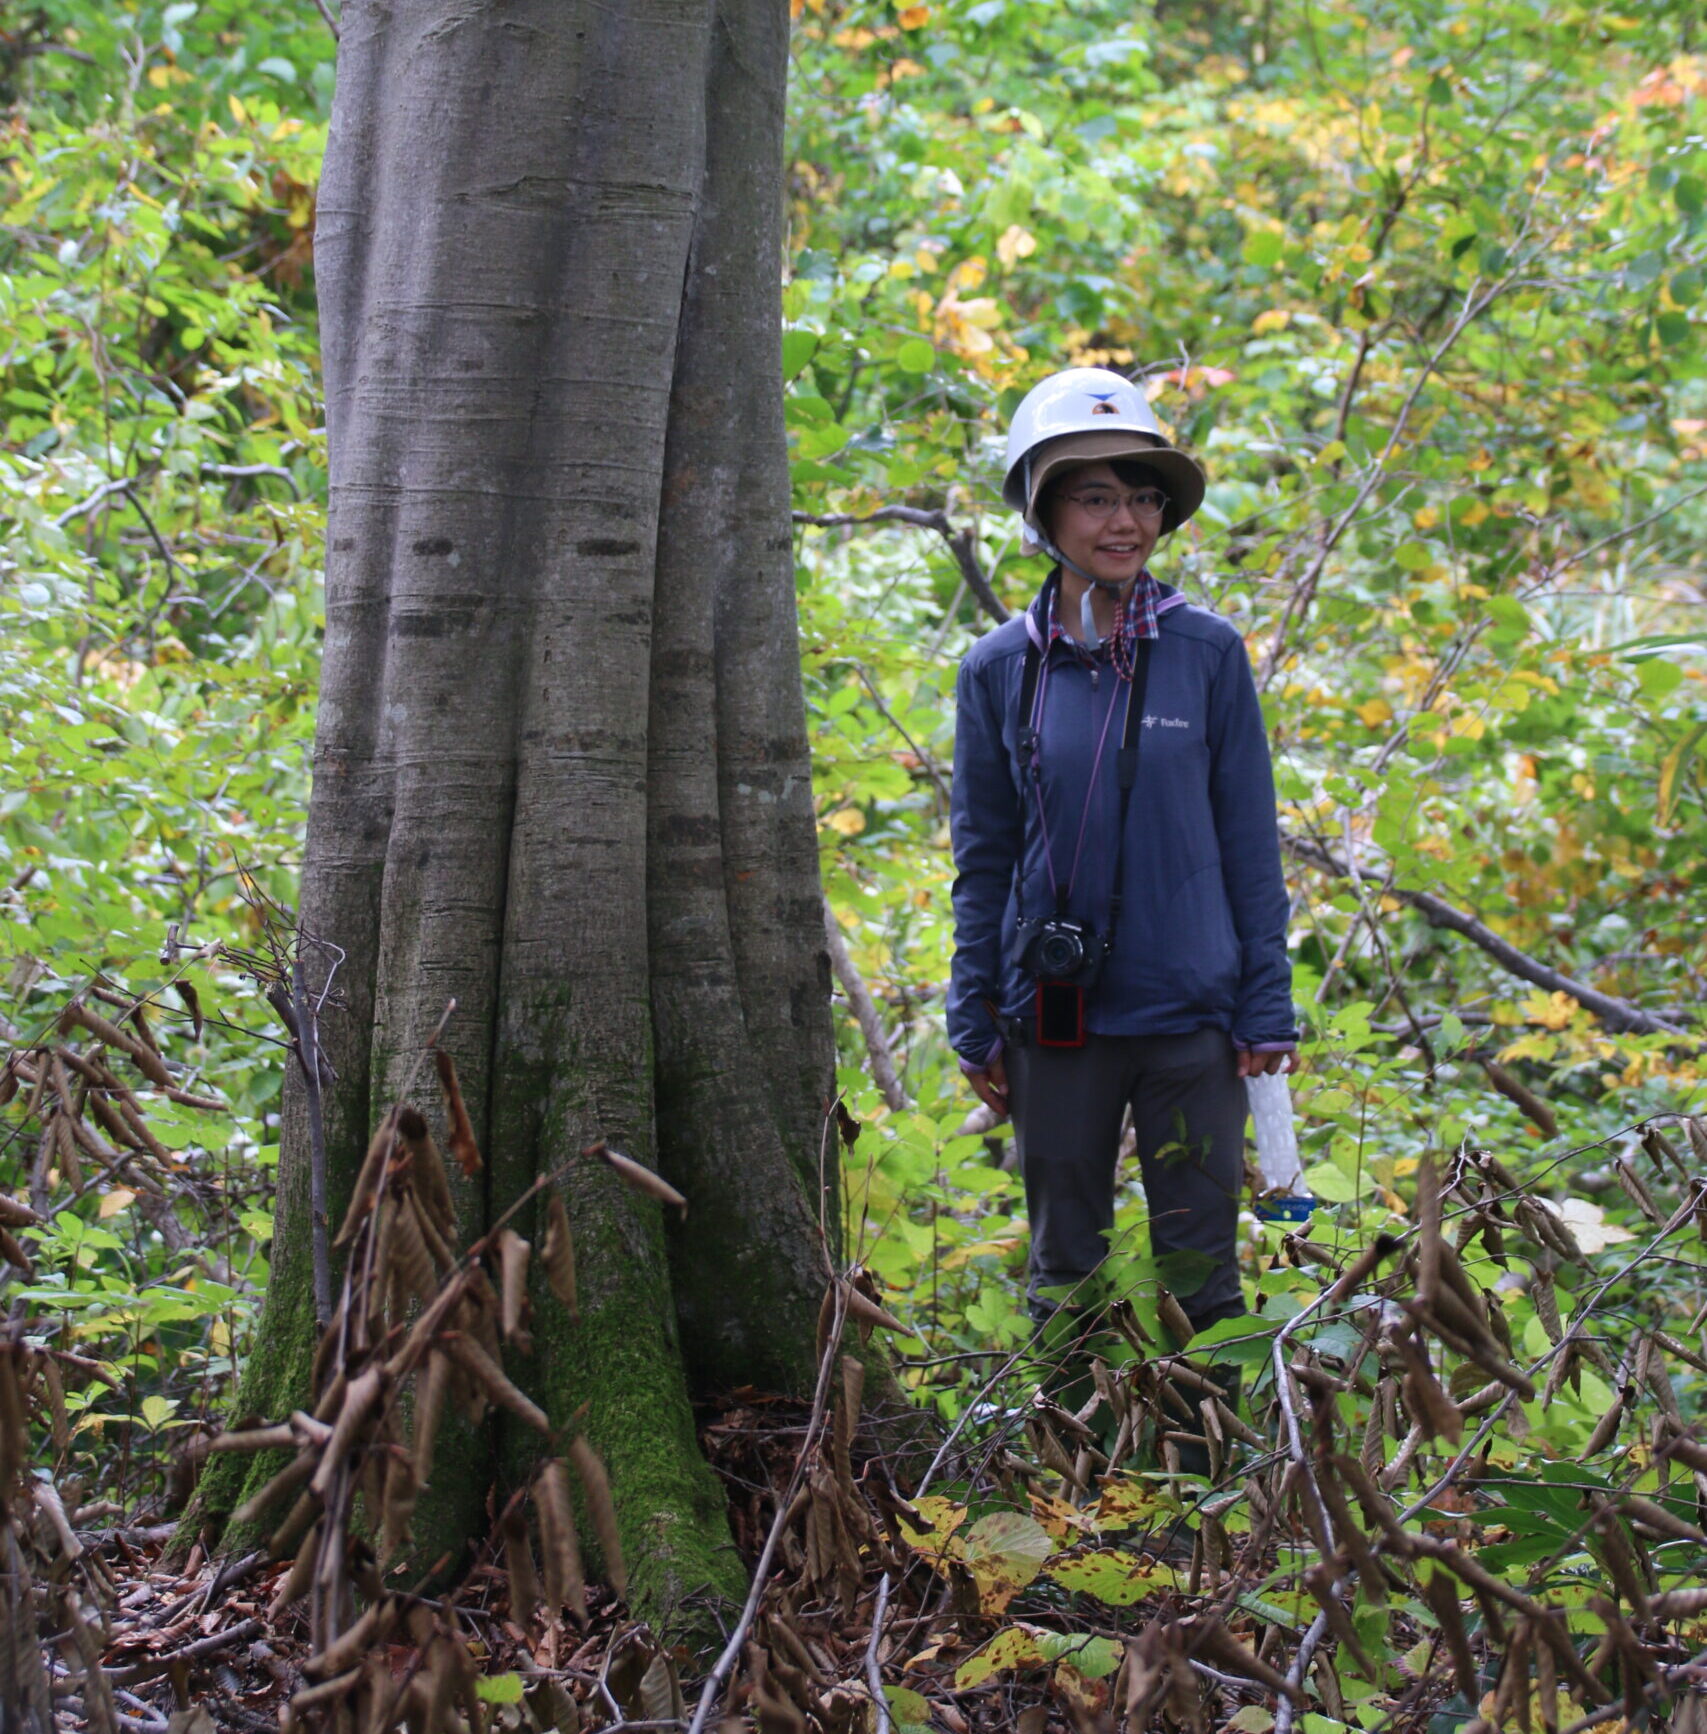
(873, 1665)
(725, 1664)
(308, 1054)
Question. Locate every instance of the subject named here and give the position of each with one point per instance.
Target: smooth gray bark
(561, 770)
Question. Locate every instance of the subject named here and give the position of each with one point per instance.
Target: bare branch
(865, 1010)
(962, 544)
(1617, 1014)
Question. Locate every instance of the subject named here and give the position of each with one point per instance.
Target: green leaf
(798, 348)
(1656, 676)
(1115, 1579)
(157, 1411)
(1263, 247)
(1327, 1182)
(915, 356)
(499, 1688)
(1672, 770)
(1690, 195)
(1674, 328)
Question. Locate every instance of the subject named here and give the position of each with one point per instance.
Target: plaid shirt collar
(1137, 620)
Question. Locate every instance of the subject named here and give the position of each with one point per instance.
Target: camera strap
(1031, 771)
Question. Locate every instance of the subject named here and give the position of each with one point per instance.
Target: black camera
(1057, 949)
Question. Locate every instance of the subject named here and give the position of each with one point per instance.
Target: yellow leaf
(1375, 711)
(115, 1201)
(913, 17)
(849, 822)
(1004, 1552)
(1115, 1579)
(1017, 1647)
(960, 1255)
(1275, 319)
(1670, 771)
(1015, 243)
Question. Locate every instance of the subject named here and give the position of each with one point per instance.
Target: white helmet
(1086, 415)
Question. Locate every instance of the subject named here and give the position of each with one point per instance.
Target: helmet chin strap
(1087, 620)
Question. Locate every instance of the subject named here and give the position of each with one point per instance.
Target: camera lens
(1060, 953)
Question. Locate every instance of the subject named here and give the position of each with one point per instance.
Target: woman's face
(1111, 549)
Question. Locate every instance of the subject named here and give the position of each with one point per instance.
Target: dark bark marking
(606, 546)
(434, 545)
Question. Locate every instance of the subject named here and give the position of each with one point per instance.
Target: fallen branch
(163, 1663)
(962, 544)
(1617, 1014)
(865, 1011)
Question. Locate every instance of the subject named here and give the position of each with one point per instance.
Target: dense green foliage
(1420, 282)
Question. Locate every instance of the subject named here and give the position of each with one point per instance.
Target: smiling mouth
(1118, 548)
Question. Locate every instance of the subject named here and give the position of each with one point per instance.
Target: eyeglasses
(1102, 503)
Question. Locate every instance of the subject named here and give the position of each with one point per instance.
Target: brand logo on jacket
(1152, 721)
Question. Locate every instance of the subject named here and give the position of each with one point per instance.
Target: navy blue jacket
(1202, 934)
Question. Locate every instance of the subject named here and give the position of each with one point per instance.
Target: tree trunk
(561, 770)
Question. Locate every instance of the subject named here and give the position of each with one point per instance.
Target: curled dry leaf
(427, 1169)
(462, 1141)
(146, 1060)
(379, 1149)
(638, 1175)
(193, 1005)
(565, 1581)
(518, 1564)
(868, 1312)
(558, 1251)
(362, 1393)
(596, 1485)
(513, 1256)
(491, 1379)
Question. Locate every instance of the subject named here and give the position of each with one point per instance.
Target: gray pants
(1188, 1107)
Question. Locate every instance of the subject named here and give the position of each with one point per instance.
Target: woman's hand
(991, 1086)
(1255, 1065)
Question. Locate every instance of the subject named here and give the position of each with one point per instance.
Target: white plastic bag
(1278, 1164)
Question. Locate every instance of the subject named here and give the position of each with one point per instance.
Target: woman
(1120, 911)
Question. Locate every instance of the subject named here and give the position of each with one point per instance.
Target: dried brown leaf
(397, 1504)
(431, 1391)
(463, 1145)
(14, 1254)
(193, 1005)
(360, 1398)
(15, 1213)
(301, 1574)
(565, 1581)
(380, 1148)
(558, 1252)
(868, 1312)
(288, 1480)
(638, 1175)
(518, 1565)
(513, 1256)
(146, 1060)
(345, 1651)
(427, 1170)
(596, 1485)
(495, 1383)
